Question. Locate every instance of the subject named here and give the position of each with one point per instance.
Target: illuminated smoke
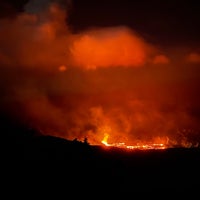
(161, 59)
(35, 40)
(94, 82)
(111, 47)
(193, 58)
(43, 39)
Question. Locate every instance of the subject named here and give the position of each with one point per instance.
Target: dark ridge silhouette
(76, 165)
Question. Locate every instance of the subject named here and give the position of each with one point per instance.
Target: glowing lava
(137, 146)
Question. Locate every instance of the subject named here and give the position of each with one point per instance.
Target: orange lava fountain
(141, 146)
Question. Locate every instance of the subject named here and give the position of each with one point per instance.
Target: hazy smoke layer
(96, 82)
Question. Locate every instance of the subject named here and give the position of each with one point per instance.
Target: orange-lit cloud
(33, 40)
(110, 47)
(44, 39)
(193, 57)
(161, 59)
(62, 68)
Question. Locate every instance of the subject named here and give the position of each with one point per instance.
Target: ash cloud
(110, 47)
(94, 82)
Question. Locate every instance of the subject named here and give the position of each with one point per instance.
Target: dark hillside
(74, 165)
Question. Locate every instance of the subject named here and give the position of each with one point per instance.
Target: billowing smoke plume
(95, 82)
(111, 47)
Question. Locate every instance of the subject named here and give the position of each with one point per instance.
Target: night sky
(127, 68)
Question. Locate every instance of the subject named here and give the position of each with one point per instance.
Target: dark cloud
(38, 6)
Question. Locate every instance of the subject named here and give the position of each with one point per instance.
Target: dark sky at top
(164, 22)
